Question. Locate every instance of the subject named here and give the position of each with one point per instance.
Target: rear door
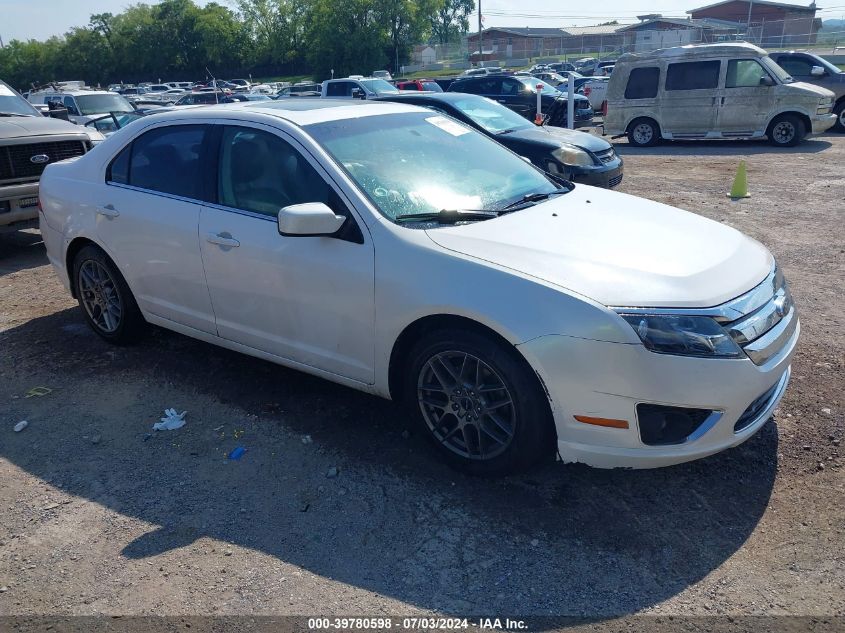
(147, 218)
(306, 299)
(689, 102)
(746, 100)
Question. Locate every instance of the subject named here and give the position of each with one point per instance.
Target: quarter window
(260, 172)
(693, 75)
(642, 83)
(166, 159)
(744, 73)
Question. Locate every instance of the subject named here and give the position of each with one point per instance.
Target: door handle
(108, 211)
(222, 239)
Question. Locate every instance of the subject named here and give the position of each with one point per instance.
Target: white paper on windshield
(452, 127)
(5, 92)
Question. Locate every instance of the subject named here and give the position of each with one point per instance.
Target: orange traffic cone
(538, 120)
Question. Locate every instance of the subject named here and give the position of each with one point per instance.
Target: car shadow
(812, 145)
(561, 540)
(21, 250)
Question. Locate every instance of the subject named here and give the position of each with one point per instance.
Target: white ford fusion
(393, 250)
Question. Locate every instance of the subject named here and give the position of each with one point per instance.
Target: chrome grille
(15, 160)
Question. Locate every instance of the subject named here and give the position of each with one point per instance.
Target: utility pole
(748, 21)
(480, 36)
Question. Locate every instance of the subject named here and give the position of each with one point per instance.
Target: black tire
(839, 111)
(786, 130)
(643, 133)
(130, 325)
(533, 435)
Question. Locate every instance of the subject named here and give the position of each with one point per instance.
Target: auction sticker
(452, 127)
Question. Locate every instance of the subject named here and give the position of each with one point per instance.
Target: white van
(713, 91)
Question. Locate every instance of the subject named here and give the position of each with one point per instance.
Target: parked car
(241, 97)
(302, 89)
(382, 74)
(551, 78)
(520, 95)
(816, 70)
(82, 105)
(480, 72)
(576, 156)
(562, 67)
(28, 143)
(361, 87)
(712, 91)
(419, 84)
(595, 89)
(202, 98)
(513, 315)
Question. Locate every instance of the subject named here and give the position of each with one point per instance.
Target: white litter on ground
(20, 426)
(170, 421)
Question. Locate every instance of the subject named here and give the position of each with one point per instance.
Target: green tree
(450, 19)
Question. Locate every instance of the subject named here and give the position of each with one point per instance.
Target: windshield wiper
(449, 216)
(15, 114)
(508, 131)
(531, 199)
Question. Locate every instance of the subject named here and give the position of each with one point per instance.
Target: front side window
(166, 160)
(431, 86)
(260, 172)
(70, 105)
(744, 73)
(643, 83)
(693, 75)
(795, 66)
(423, 162)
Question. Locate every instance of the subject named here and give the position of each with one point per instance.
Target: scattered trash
(96, 439)
(332, 472)
(237, 453)
(826, 411)
(218, 428)
(170, 421)
(20, 426)
(534, 542)
(305, 507)
(4, 589)
(228, 552)
(147, 436)
(37, 392)
(306, 439)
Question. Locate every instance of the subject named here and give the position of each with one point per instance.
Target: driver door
(309, 300)
(746, 99)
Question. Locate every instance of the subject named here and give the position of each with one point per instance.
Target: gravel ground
(98, 516)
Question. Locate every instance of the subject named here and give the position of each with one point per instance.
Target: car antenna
(214, 81)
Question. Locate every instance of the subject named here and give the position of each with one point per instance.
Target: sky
(39, 19)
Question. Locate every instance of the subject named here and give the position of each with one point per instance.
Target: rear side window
(642, 83)
(693, 75)
(166, 160)
(795, 66)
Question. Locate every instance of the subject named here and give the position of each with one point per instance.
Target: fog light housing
(661, 425)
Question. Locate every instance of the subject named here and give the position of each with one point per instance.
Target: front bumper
(608, 380)
(16, 208)
(608, 175)
(822, 123)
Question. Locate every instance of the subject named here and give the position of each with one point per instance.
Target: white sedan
(393, 250)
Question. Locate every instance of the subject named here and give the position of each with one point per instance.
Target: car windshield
(378, 86)
(490, 115)
(782, 76)
(101, 104)
(423, 163)
(432, 86)
(532, 83)
(12, 103)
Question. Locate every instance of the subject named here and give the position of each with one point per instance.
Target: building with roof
(528, 42)
(769, 24)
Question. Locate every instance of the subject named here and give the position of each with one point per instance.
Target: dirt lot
(98, 516)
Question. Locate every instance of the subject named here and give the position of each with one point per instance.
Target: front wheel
(839, 111)
(643, 133)
(786, 130)
(479, 402)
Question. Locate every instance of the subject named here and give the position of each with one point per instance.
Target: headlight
(683, 335)
(571, 155)
(95, 137)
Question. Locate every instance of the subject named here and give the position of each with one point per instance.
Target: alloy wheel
(100, 297)
(466, 405)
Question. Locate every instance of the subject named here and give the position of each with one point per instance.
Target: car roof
(447, 97)
(742, 49)
(302, 112)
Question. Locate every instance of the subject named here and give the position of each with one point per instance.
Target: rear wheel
(106, 301)
(643, 133)
(787, 130)
(839, 111)
(479, 402)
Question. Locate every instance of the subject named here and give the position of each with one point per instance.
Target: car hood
(16, 127)
(811, 88)
(618, 250)
(554, 136)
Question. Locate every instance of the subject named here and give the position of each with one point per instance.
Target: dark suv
(520, 95)
(816, 70)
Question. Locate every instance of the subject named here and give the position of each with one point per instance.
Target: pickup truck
(28, 143)
(816, 70)
(360, 87)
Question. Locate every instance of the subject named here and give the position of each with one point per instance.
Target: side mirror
(309, 219)
(817, 71)
(357, 93)
(767, 81)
